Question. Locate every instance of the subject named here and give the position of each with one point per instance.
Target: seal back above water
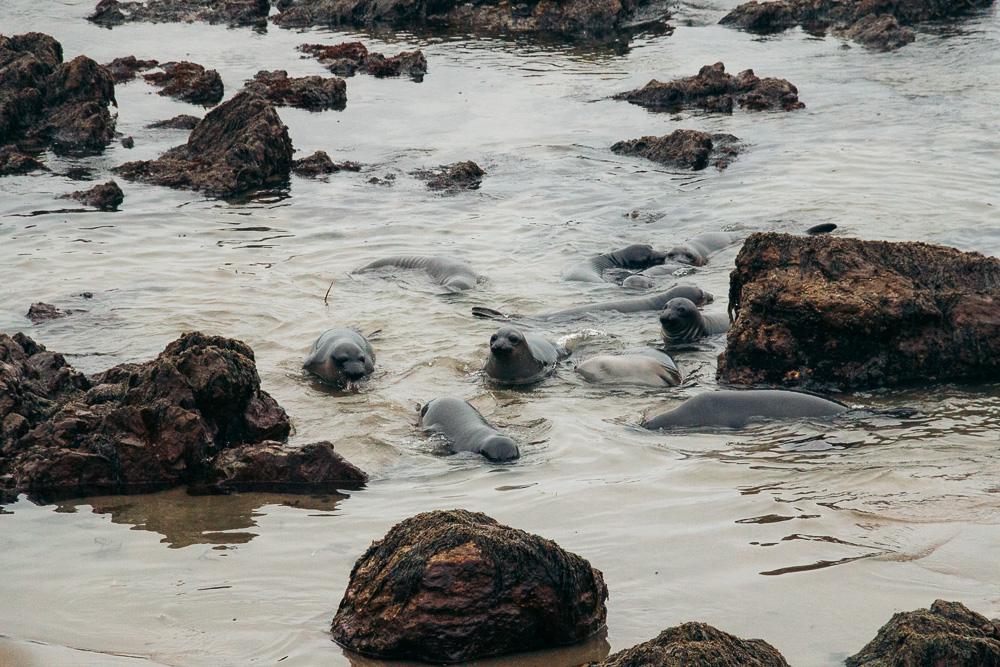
(643, 366)
(340, 356)
(637, 257)
(734, 409)
(696, 250)
(454, 274)
(517, 357)
(466, 430)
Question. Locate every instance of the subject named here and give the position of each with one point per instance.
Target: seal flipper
(490, 314)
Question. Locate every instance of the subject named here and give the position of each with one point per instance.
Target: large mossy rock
(946, 635)
(697, 645)
(450, 586)
(840, 313)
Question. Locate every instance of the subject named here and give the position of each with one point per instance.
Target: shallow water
(880, 514)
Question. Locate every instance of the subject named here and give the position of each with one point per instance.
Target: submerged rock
(713, 89)
(682, 149)
(238, 146)
(126, 69)
(307, 92)
(946, 635)
(188, 82)
(348, 58)
(272, 466)
(833, 312)
(44, 312)
(450, 586)
(14, 162)
(696, 645)
(234, 13)
(319, 163)
(458, 176)
(107, 197)
(181, 122)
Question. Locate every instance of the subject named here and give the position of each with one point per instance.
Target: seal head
(639, 256)
(340, 356)
(499, 448)
(520, 358)
(681, 321)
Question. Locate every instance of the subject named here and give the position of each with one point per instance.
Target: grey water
(806, 534)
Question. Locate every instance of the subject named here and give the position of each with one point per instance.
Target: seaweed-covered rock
(13, 162)
(272, 466)
(44, 312)
(450, 586)
(696, 645)
(348, 58)
(126, 69)
(319, 163)
(307, 92)
(881, 32)
(459, 176)
(712, 89)
(109, 13)
(107, 196)
(946, 635)
(181, 122)
(238, 146)
(682, 149)
(188, 82)
(831, 312)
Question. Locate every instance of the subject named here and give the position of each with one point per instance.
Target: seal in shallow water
(466, 430)
(452, 273)
(682, 322)
(644, 366)
(340, 356)
(520, 358)
(734, 409)
(696, 250)
(637, 256)
(653, 302)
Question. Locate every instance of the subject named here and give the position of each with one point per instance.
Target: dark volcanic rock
(238, 146)
(182, 122)
(683, 149)
(106, 197)
(881, 32)
(459, 176)
(189, 82)
(272, 466)
(833, 312)
(13, 162)
(697, 645)
(575, 18)
(713, 89)
(348, 58)
(44, 312)
(125, 69)
(450, 586)
(761, 18)
(946, 635)
(133, 427)
(110, 13)
(319, 163)
(308, 92)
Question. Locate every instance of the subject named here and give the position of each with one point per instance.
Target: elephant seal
(734, 409)
(824, 228)
(637, 256)
(696, 250)
(653, 302)
(644, 366)
(452, 273)
(521, 358)
(340, 356)
(466, 430)
(682, 322)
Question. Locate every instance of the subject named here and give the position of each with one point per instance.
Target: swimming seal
(734, 409)
(696, 250)
(521, 358)
(452, 273)
(643, 366)
(340, 356)
(466, 430)
(682, 322)
(636, 257)
(653, 302)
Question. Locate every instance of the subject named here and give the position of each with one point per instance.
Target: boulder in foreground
(272, 466)
(825, 312)
(696, 645)
(450, 586)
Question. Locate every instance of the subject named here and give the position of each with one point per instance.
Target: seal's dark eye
(512, 338)
(493, 338)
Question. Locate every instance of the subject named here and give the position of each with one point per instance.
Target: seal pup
(696, 250)
(734, 409)
(643, 366)
(521, 358)
(653, 302)
(682, 322)
(452, 273)
(340, 356)
(637, 256)
(466, 430)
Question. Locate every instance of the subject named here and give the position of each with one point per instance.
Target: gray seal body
(452, 273)
(682, 322)
(653, 302)
(635, 257)
(466, 430)
(696, 250)
(521, 358)
(642, 366)
(340, 356)
(734, 409)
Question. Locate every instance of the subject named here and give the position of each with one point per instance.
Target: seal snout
(500, 448)
(504, 341)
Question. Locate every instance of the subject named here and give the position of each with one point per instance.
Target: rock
(761, 18)
(308, 92)
(881, 32)
(128, 142)
(181, 122)
(696, 645)
(828, 312)
(946, 635)
(188, 82)
(125, 69)
(319, 163)
(451, 586)
(713, 89)
(234, 13)
(14, 163)
(572, 18)
(459, 176)
(238, 146)
(107, 197)
(682, 149)
(43, 312)
(348, 58)
(272, 466)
